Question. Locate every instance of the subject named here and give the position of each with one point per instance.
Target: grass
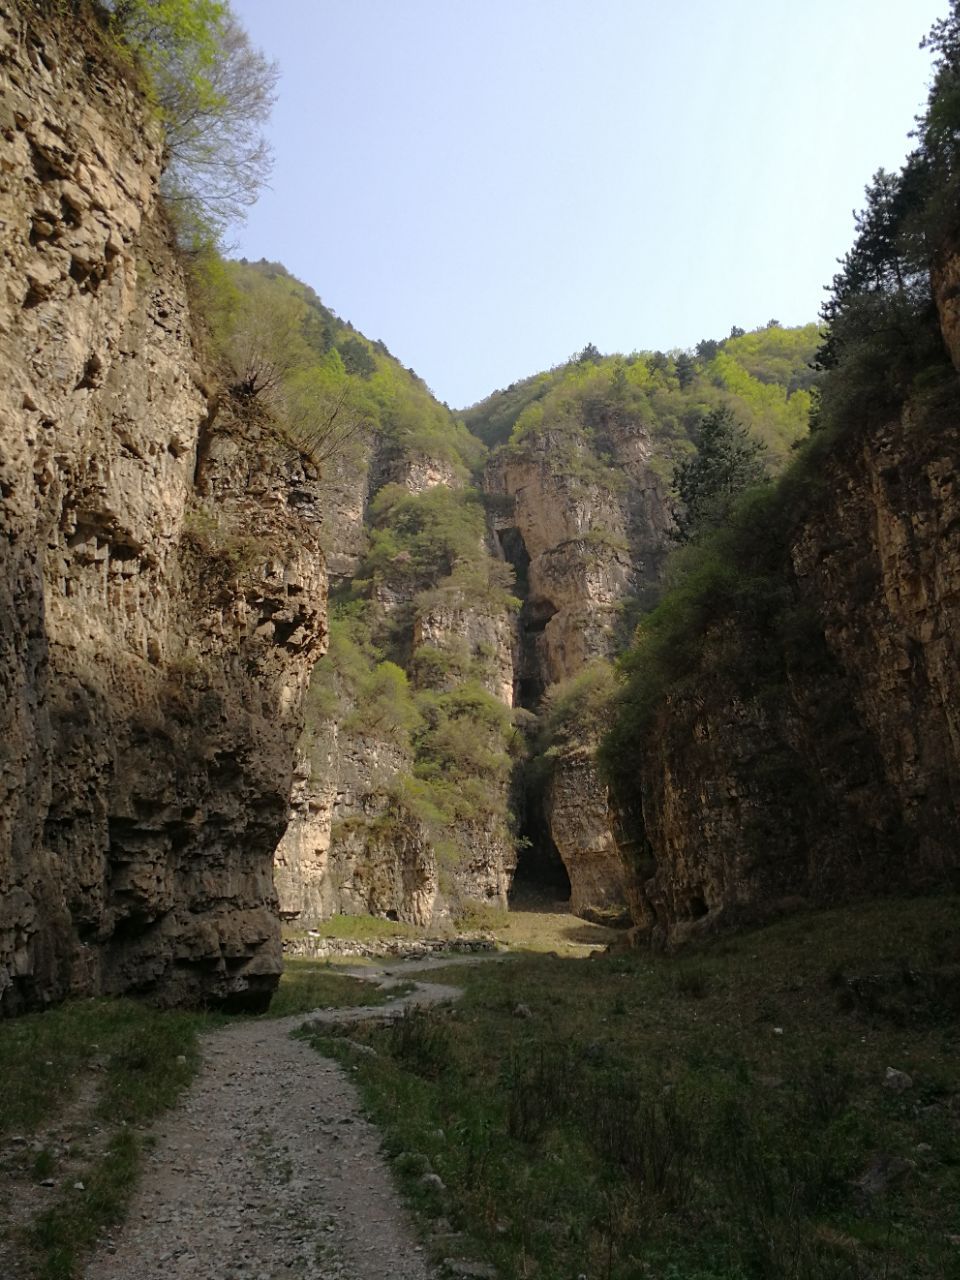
(133, 1062)
(363, 929)
(106, 1069)
(312, 984)
(717, 1116)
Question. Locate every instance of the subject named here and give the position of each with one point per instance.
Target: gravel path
(268, 1171)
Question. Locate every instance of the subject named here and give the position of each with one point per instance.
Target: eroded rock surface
(842, 776)
(585, 536)
(161, 601)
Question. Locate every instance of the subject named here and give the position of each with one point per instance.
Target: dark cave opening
(540, 871)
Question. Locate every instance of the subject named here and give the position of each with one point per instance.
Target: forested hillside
(764, 378)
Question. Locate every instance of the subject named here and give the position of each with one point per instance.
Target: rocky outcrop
(577, 808)
(362, 836)
(349, 849)
(471, 636)
(841, 774)
(161, 595)
(586, 532)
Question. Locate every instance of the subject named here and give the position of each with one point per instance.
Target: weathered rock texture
(348, 849)
(161, 601)
(841, 775)
(352, 845)
(585, 536)
(578, 810)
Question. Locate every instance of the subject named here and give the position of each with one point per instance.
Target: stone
(897, 1081)
(470, 1270)
(882, 1171)
(873, 566)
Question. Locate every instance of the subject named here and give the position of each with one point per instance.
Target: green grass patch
(133, 1062)
(43, 1058)
(721, 1115)
(312, 984)
(129, 1062)
(361, 928)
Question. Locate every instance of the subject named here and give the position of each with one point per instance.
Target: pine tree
(728, 460)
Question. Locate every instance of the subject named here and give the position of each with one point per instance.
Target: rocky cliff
(586, 528)
(811, 754)
(161, 597)
(382, 819)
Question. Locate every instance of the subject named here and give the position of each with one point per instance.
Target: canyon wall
(362, 838)
(820, 759)
(587, 529)
(162, 590)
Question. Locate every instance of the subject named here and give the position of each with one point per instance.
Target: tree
(707, 349)
(357, 357)
(727, 461)
(686, 369)
(265, 343)
(213, 90)
(878, 267)
(321, 420)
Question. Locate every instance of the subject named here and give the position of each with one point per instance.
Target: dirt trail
(267, 1169)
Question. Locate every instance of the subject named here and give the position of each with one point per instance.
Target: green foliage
(734, 577)
(764, 378)
(463, 736)
(354, 675)
(213, 90)
(731, 612)
(420, 538)
(576, 711)
(882, 334)
(329, 389)
(727, 461)
(384, 707)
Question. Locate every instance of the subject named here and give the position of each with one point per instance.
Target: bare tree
(215, 91)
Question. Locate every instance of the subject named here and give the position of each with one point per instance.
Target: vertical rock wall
(586, 538)
(352, 846)
(843, 777)
(161, 602)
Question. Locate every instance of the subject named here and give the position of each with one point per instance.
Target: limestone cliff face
(471, 633)
(353, 845)
(161, 596)
(585, 536)
(844, 776)
(588, 535)
(578, 811)
(348, 849)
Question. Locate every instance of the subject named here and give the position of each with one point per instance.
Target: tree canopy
(728, 461)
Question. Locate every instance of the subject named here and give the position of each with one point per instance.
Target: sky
(488, 185)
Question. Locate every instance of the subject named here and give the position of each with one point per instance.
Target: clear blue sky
(487, 185)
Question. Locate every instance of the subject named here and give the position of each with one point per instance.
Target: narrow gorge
(527, 679)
